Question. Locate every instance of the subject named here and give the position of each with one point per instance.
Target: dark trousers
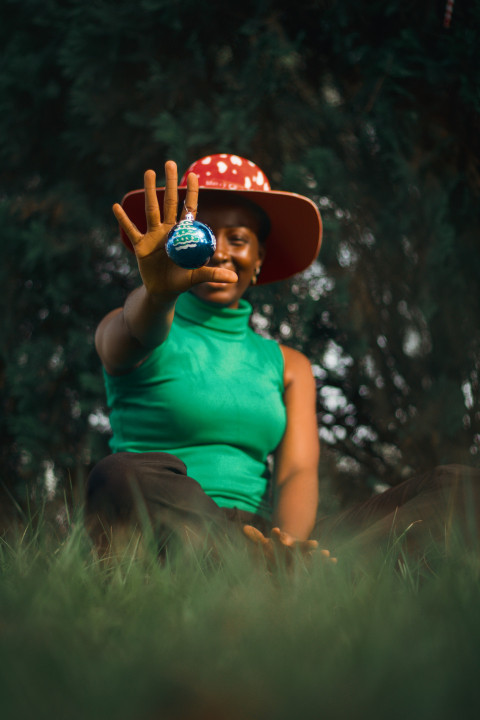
(127, 488)
(124, 486)
(434, 506)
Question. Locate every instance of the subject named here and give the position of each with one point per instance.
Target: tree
(371, 110)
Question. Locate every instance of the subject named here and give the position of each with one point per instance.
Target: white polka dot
(207, 160)
(208, 173)
(266, 186)
(259, 178)
(248, 183)
(252, 164)
(234, 172)
(224, 155)
(235, 160)
(222, 167)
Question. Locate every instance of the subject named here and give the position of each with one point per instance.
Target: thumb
(254, 535)
(207, 273)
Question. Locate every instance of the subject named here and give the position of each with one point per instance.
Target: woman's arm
(296, 470)
(296, 461)
(127, 335)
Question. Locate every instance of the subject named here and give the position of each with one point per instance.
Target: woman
(189, 383)
(199, 401)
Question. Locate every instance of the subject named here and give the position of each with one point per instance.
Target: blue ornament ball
(190, 244)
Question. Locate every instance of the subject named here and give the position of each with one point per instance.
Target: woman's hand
(282, 547)
(160, 276)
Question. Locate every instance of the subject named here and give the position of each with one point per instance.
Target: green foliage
(55, 278)
(371, 110)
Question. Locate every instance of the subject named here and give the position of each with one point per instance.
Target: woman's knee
(109, 486)
(455, 477)
(120, 483)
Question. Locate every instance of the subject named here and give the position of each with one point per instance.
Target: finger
(191, 198)
(254, 535)
(263, 546)
(126, 224)
(282, 538)
(170, 200)
(251, 532)
(326, 556)
(152, 211)
(309, 546)
(207, 273)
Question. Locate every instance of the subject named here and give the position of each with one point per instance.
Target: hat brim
(295, 235)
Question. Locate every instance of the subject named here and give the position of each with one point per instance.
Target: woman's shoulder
(297, 365)
(295, 357)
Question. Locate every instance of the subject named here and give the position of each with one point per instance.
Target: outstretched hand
(160, 275)
(283, 547)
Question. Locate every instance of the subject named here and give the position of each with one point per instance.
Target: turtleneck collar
(229, 320)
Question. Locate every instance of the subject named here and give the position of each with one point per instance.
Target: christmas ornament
(190, 243)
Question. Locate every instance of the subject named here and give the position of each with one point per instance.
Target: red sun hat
(295, 234)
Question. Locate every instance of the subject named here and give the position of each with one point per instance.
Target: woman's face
(236, 230)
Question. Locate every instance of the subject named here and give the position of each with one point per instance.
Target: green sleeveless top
(211, 394)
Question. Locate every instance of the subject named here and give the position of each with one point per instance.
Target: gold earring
(255, 275)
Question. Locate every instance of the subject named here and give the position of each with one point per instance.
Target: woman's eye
(238, 239)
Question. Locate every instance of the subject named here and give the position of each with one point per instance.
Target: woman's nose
(221, 251)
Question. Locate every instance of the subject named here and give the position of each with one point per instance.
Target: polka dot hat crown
(227, 172)
(295, 233)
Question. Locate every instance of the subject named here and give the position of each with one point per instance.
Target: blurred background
(370, 109)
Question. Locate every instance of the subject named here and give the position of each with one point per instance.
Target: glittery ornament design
(190, 243)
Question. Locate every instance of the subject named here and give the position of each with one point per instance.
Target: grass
(385, 637)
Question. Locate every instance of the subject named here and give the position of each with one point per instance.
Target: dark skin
(126, 336)
(238, 250)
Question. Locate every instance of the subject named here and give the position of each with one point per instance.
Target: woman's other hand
(162, 277)
(283, 547)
